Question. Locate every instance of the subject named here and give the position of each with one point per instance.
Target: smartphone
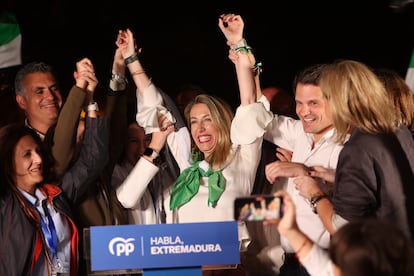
(258, 208)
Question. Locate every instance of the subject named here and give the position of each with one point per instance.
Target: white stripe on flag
(10, 53)
(409, 77)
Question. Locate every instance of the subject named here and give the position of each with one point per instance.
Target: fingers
(233, 56)
(283, 154)
(85, 65)
(84, 68)
(165, 124)
(323, 173)
(298, 183)
(229, 17)
(122, 38)
(86, 80)
(86, 74)
(169, 129)
(225, 22)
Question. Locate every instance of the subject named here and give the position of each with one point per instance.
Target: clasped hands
(85, 75)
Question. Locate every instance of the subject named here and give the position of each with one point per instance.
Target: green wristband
(131, 59)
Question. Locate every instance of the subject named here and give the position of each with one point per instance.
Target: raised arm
(232, 27)
(116, 111)
(149, 99)
(64, 136)
(92, 158)
(152, 102)
(245, 78)
(130, 52)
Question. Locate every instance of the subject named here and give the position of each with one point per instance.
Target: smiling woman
(28, 164)
(35, 215)
(217, 161)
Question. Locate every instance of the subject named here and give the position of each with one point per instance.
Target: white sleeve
(265, 102)
(179, 143)
(150, 106)
(130, 192)
(317, 262)
(338, 221)
(249, 123)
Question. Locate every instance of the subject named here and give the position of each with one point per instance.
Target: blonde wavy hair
(357, 99)
(222, 116)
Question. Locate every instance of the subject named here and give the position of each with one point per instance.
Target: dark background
(182, 43)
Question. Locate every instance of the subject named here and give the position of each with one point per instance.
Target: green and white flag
(409, 78)
(10, 41)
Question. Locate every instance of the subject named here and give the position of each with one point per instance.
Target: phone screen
(258, 208)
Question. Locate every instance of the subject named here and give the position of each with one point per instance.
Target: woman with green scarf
(217, 152)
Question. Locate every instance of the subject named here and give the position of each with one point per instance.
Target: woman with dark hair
(38, 232)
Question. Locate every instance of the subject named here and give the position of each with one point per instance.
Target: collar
(41, 135)
(38, 197)
(327, 137)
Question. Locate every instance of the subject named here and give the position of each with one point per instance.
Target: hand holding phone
(258, 208)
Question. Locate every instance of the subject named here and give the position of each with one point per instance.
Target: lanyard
(48, 228)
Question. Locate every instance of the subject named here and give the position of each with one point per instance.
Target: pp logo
(118, 246)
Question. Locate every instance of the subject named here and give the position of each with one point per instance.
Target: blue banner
(164, 245)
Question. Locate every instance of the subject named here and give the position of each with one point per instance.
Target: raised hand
(160, 137)
(232, 27)
(126, 43)
(85, 75)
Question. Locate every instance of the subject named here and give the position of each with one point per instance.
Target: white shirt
(41, 135)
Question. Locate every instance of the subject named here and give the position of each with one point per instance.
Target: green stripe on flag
(9, 28)
(412, 61)
(409, 77)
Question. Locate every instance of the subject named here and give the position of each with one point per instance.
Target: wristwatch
(119, 78)
(93, 106)
(151, 153)
(315, 199)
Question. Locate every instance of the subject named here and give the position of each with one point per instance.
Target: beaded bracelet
(243, 48)
(131, 59)
(257, 68)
